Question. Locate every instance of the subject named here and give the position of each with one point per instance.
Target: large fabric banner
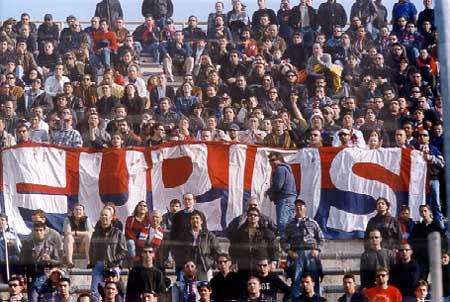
(339, 185)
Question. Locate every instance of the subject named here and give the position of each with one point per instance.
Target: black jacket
(107, 246)
(295, 17)
(110, 10)
(157, 8)
(142, 279)
(329, 15)
(356, 297)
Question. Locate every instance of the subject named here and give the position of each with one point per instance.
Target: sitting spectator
(177, 54)
(148, 35)
(34, 97)
(95, 136)
(67, 136)
(54, 84)
(128, 136)
(77, 233)
(133, 226)
(104, 44)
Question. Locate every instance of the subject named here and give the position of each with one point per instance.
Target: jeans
(434, 200)
(306, 263)
(102, 59)
(285, 212)
(154, 50)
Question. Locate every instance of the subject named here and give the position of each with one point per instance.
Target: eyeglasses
(425, 135)
(222, 261)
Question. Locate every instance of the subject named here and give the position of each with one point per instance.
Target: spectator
(111, 10)
(350, 290)
(406, 272)
(107, 249)
(374, 258)
(48, 31)
(77, 233)
(446, 275)
(64, 294)
(283, 190)
(67, 136)
(302, 240)
(167, 218)
(307, 290)
(192, 33)
(6, 140)
(148, 35)
(128, 136)
(271, 284)
(95, 136)
(104, 44)
(177, 54)
(186, 288)
(419, 238)
(225, 284)
(406, 223)
(251, 242)
(329, 15)
(159, 10)
(133, 226)
(13, 244)
(144, 277)
(382, 289)
(386, 224)
(204, 291)
(112, 292)
(54, 84)
(16, 289)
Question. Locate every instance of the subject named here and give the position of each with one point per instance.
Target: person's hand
(273, 265)
(45, 257)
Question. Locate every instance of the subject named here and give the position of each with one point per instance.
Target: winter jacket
(157, 8)
(107, 246)
(110, 10)
(389, 229)
(329, 15)
(283, 183)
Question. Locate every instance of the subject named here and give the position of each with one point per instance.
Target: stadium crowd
(292, 78)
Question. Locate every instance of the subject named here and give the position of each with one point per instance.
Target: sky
(84, 9)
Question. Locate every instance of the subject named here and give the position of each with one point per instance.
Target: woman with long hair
(133, 226)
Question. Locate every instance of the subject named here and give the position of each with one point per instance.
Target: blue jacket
(283, 183)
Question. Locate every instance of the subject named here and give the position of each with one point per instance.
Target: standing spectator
(13, 244)
(77, 233)
(180, 221)
(406, 272)
(374, 258)
(196, 244)
(303, 19)
(261, 11)
(107, 250)
(330, 15)
(426, 15)
(386, 224)
(271, 284)
(133, 226)
(419, 238)
(350, 290)
(251, 242)
(186, 288)
(283, 20)
(307, 290)
(112, 292)
(225, 284)
(404, 9)
(160, 10)
(303, 240)
(167, 218)
(435, 163)
(111, 10)
(365, 10)
(405, 222)
(16, 289)
(192, 33)
(204, 291)
(6, 139)
(382, 290)
(144, 277)
(282, 191)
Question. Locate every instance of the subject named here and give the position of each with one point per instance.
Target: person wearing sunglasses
(382, 291)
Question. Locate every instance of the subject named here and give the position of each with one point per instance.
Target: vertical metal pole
(443, 26)
(6, 254)
(434, 253)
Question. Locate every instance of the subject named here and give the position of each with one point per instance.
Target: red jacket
(100, 36)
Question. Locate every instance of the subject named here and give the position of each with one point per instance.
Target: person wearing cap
(303, 240)
(48, 31)
(13, 244)
(144, 277)
(386, 224)
(233, 133)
